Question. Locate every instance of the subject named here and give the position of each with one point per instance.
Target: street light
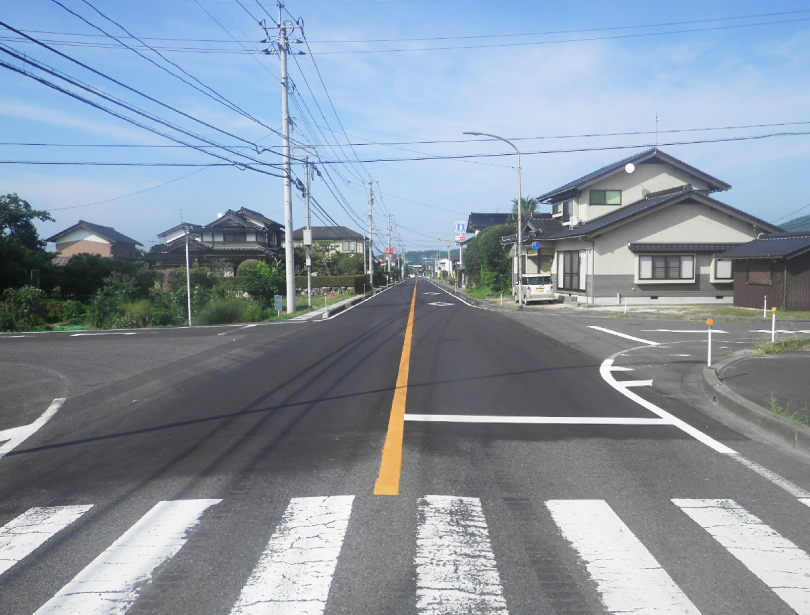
(518, 242)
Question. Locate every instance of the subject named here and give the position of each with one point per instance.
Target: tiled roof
(653, 201)
(477, 222)
(105, 231)
(641, 247)
(329, 233)
(773, 245)
(653, 153)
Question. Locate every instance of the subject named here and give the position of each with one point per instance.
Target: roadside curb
(781, 428)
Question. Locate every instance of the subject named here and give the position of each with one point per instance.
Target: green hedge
(334, 281)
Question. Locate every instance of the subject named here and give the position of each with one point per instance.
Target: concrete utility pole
(188, 269)
(370, 234)
(282, 50)
(388, 247)
(308, 239)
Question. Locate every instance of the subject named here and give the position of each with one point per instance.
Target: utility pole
(388, 247)
(370, 234)
(282, 49)
(308, 238)
(188, 269)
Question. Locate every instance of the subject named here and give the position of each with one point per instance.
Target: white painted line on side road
(607, 376)
(778, 563)
(635, 383)
(92, 334)
(618, 368)
(18, 435)
(628, 577)
(624, 335)
(805, 501)
(22, 536)
(110, 584)
(703, 331)
(780, 331)
(455, 566)
(533, 420)
(295, 571)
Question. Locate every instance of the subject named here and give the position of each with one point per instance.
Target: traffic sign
(460, 238)
(461, 227)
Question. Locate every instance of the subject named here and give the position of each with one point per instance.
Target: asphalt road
(546, 467)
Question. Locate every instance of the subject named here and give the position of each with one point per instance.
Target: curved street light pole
(519, 236)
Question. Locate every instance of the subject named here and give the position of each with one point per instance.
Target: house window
(606, 197)
(233, 237)
(722, 269)
(564, 209)
(568, 270)
(350, 246)
(759, 273)
(666, 267)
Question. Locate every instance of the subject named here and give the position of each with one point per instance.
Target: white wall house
(644, 227)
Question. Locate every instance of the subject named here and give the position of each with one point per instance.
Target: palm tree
(529, 206)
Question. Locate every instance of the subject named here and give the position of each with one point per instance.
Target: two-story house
(333, 239)
(645, 228)
(221, 245)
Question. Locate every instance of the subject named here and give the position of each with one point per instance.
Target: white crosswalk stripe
(21, 536)
(110, 584)
(295, 571)
(628, 577)
(455, 566)
(778, 563)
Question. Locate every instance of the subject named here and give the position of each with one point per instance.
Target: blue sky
(517, 69)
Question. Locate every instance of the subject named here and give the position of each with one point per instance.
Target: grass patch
(747, 312)
(791, 410)
(768, 348)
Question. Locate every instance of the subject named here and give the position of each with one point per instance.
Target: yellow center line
(391, 466)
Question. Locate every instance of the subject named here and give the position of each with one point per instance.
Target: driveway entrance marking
(18, 435)
(533, 420)
(775, 560)
(391, 466)
(624, 335)
(455, 566)
(295, 571)
(628, 577)
(110, 584)
(23, 535)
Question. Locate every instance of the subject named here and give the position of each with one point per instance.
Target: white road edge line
(628, 577)
(532, 420)
(456, 570)
(774, 559)
(606, 372)
(624, 335)
(17, 435)
(23, 535)
(295, 571)
(110, 584)
(467, 303)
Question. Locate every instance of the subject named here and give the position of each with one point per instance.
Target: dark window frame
(600, 197)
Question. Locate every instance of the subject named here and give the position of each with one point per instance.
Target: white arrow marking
(18, 435)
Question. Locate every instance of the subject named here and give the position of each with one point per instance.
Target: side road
(770, 393)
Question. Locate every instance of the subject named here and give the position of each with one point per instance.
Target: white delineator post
(765, 306)
(710, 322)
(773, 326)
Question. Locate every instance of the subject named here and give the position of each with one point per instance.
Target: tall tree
(17, 222)
(21, 250)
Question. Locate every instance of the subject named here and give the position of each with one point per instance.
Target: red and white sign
(389, 251)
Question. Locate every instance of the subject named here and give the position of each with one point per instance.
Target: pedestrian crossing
(455, 563)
